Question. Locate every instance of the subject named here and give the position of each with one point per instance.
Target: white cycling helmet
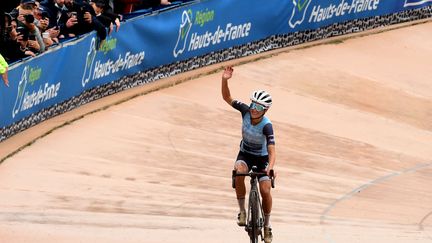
(262, 97)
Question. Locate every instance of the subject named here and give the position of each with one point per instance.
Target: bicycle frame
(255, 213)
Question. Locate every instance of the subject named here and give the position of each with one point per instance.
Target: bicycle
(255, 213)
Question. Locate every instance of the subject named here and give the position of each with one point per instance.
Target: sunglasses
(256, 106)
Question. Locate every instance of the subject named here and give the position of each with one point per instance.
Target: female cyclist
(257, 148)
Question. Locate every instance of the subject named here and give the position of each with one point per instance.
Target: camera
(29, 18)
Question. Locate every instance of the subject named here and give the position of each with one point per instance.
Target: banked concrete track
(353, 123)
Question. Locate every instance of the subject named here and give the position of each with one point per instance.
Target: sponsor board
(193, 34)
(32, 91)
(313, 11)
(99, 66)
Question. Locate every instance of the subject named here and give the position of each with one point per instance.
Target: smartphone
(20, 30)
(24, 32)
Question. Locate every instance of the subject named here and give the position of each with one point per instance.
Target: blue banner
(168, 37)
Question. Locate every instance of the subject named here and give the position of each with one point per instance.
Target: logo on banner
(20, 94)
(27, 99)
(184, 30)
(299, 12)
(96, 68)
(91, 54)
(321, 13)
(207, 35)
(409, 3)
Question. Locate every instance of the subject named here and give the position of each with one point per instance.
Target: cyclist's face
(256, 110)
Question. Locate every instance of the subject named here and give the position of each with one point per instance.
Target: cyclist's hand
(227, 73)
(271, 173)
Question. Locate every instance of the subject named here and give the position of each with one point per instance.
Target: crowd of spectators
(30, 27)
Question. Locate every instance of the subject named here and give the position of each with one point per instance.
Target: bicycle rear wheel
(254, 215)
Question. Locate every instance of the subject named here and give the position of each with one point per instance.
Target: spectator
(26, 18)
(4, 70)
(28, 5)
(53, 11)
(56, 11)
(25, 15)
(82, 19)
(16, 47)
(49, 36)
(105, 14)
(109, 11)
(41, 17)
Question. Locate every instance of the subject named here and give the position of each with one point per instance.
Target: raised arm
(227, 74)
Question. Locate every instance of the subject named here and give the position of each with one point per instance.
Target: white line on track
(324, 214)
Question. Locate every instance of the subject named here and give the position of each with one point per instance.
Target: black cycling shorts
(261, 162)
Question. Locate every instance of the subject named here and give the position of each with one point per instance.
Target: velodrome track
(353, 123)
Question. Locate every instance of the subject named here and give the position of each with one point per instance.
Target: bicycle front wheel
(254, 217)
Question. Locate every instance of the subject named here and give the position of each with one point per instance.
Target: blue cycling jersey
(255, 138)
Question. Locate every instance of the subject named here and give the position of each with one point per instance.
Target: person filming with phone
(81, 19)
